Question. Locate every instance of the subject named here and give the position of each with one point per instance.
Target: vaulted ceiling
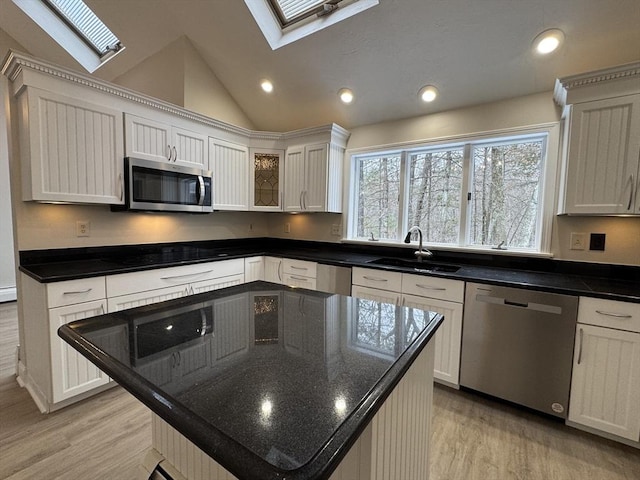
(474, 51)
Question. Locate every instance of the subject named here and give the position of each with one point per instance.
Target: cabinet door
(294, 179)
(253, 269)
(602, 164)
(72, 150)
(190, 148)
(125, 302)
(448, 337)
(72, 373)
(147, 139)
(314, 198)
(230, 165)
(273, 269)
(605, 386)
(267, 174)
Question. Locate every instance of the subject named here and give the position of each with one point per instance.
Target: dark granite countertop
(615, 282)
(270, 380)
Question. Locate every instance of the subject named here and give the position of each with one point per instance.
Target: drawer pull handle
(171, 277)
(298, 268)
(612, 314)
(429, 287)
(580, 349)
(299, 278)
(78, 292)
(375, 279)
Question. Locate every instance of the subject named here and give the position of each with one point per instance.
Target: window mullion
(465, 197)
(403, 214)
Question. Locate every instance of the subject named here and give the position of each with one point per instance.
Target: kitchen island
(272, 382)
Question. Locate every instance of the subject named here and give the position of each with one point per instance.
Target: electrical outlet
(287, 227)
(83, 228)
(336, 229)
(578, 241)
(596, 242)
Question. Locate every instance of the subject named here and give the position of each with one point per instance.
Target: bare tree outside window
(434, 194)
(378, 197)
(506, 194)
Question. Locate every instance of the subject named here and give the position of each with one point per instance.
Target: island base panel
(394, 445)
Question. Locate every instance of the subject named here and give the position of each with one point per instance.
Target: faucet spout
(422, 252)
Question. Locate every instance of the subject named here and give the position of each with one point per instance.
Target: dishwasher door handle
(539, 307)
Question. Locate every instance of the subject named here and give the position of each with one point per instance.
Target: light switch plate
(578, 241)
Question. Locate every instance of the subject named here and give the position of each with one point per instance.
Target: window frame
(548, 196)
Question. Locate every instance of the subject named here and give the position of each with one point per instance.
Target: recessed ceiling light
(346, 95)
(266, 85)
(428, 93)
(548, 41)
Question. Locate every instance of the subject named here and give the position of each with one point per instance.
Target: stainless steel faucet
(421, 253)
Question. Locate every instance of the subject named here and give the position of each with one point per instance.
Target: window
(285, 21)
(472, 194)
(76, 28)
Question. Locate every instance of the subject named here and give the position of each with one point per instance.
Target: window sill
(450, 248)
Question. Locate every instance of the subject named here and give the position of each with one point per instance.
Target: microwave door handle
(200, 190)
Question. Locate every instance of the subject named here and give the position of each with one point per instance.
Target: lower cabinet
(253, 269)
(72, 374)
(287, 271)
(426, 293)
(605, 386)
(273, 269)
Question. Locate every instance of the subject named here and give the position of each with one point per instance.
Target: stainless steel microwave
(158, 186)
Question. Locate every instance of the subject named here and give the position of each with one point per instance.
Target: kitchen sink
(416, 265)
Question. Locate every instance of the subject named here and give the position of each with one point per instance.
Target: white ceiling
(474, 51)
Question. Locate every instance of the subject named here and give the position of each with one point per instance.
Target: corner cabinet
(602, 142)
(267, 179)
(71, 150)
(313, 178)
(605, 386)
(177, 141)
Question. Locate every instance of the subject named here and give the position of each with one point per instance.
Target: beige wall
(179, 75)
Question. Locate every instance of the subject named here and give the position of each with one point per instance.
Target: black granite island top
(272, 382)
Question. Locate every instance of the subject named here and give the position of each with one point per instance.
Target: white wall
(7, 262)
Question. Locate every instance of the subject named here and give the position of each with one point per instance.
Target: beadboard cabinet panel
(230, 165)
(71, 150)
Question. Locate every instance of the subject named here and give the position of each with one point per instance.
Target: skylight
(76, 28)
(285, 21)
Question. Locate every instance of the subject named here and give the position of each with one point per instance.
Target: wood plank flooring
(473, 438)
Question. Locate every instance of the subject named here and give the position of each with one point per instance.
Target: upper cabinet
(313, 178)
(178, 142)
(267, 179)
(602, 141)
(71, 150)
(230, 165)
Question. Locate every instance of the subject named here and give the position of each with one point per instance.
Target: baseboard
(8, 294)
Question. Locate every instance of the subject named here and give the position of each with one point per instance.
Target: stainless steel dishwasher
(517, 345)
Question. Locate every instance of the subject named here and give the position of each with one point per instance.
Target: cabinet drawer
(380, 279)
(432, 287)
(609, 313)
(299, 267)
(299, 281)
(71, 292)
(127, 283)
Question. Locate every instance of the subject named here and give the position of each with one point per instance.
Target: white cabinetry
(128, 290)
(287, 271)
(313, 178)
(603, 157)
(602, 141)
(165, 142)
(71, 150)
(605, 386)
(273, 269)
(439, 295)
(230, 165)
(253, 269)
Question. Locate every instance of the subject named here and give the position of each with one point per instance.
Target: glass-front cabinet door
(267, 168)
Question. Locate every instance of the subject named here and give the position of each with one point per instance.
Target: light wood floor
(473, 438)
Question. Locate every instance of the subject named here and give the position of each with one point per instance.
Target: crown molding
(606, 75)
(15, 63)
